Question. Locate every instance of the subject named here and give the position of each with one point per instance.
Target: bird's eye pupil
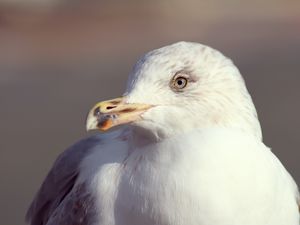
(181, 82)
(178, 83)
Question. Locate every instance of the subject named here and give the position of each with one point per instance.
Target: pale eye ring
(179, 83)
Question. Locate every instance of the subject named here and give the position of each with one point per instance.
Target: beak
(107, 114)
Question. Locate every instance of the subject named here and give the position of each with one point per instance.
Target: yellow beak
(107, 114)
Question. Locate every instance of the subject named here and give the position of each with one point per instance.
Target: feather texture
(59, 183)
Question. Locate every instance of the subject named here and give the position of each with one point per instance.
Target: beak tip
(91, 123)
(88, 128)
(108, 114)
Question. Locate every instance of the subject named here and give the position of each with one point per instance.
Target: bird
(183, 145)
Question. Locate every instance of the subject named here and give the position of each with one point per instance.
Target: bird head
(178, 88)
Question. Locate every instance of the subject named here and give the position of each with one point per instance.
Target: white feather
(196, 158)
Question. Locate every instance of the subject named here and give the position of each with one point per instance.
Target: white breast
(193, 179)
(196, 180)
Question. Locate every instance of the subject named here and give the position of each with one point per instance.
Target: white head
(178, 88)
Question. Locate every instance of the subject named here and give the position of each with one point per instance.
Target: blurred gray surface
(55, 65)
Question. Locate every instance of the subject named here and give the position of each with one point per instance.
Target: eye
(178, 83)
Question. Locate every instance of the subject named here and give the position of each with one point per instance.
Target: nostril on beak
(110, 107)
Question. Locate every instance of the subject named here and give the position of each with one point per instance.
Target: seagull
(186, 148)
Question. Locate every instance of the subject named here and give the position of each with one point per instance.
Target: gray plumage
(192, 153)
(58, 191)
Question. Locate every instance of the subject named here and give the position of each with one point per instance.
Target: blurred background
(58, 57)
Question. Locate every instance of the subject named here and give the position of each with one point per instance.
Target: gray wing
(59, 183)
